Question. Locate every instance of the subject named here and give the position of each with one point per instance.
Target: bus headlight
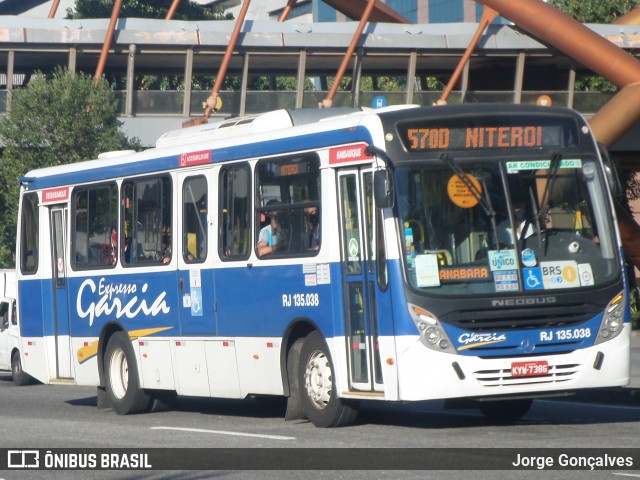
(613, 319)
(432, 335)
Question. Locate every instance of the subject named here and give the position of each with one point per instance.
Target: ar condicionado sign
(474, 137)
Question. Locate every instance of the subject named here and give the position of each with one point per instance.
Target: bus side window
(29, 233)
(194, 219)
(289, 186)
(95, 209)
(146, 226)
(234, 217)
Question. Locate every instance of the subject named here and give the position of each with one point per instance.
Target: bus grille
(502, 378)
(522, 318)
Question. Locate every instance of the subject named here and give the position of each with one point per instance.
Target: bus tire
(316, 379)
(506, 410)
(20, 377)
(121, 376)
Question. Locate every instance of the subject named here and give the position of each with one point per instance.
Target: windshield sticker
(460, 194)
(500, 260)
(562, 274)
(353, 248)
(586, 275)
(427, 270)
(532, 279)
(515, 167)
(529, 258)
(506, 281)
(455, 274)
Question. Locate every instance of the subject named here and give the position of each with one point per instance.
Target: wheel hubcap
(318, 380)
(119, 373)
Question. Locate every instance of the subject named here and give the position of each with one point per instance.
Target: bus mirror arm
(382, 179)
(383, 188)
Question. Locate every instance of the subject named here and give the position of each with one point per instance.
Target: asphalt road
(57, 416)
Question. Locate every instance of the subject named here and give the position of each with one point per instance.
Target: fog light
(604, 333)
(444, 344)
(432, 335)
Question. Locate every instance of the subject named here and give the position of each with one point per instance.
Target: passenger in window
(110, 253)
(273, 237)
(312, 224)
(166, 244)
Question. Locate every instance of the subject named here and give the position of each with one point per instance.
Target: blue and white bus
(467, 253)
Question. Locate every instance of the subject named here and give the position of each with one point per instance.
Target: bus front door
(62, 328)
(359, 289)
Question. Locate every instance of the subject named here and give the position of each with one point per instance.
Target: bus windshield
(491, 226)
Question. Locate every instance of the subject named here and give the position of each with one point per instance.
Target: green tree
(595, 11)
(186, 10)
(57, 119)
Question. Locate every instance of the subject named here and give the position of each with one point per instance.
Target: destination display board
(491, 133)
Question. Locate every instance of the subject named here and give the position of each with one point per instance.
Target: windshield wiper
(483, 200)
(552, 174)
(540, 214)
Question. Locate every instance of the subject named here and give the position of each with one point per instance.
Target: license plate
(529, 369)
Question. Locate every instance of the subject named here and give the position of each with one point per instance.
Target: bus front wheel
(318, 390)
(123, 386)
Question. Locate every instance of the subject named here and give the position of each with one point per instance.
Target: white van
(9, 329)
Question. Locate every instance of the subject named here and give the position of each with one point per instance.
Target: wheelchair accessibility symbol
(533, 279)
(196, 301)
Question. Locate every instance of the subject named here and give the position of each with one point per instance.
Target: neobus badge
(352, 153)
(55, 195)
(195, 158)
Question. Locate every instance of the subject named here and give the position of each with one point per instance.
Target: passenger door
(194, 251)
(357, 214)
(62, 325)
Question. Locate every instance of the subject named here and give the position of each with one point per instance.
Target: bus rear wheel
(123, 386)
(316, 376)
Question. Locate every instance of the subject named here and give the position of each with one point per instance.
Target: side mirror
(613, 179)
(383, 188)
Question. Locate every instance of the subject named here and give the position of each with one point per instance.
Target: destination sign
(433, 136)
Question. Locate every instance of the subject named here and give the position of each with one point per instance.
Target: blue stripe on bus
(237, 152)
(263, 306)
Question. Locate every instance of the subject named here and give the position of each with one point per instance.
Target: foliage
(595, 11)
(57, 119)
(186, 10)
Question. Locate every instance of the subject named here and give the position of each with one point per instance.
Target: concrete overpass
(296, 63)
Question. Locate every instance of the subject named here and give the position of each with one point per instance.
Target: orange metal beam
(172, 9)
(631, 18)
(563, 32)
(613, 119)
(211, 102)
(328, 102)
(354, 10)
(287, 10)
(54, 9)
(107, 41)
(488, 16)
